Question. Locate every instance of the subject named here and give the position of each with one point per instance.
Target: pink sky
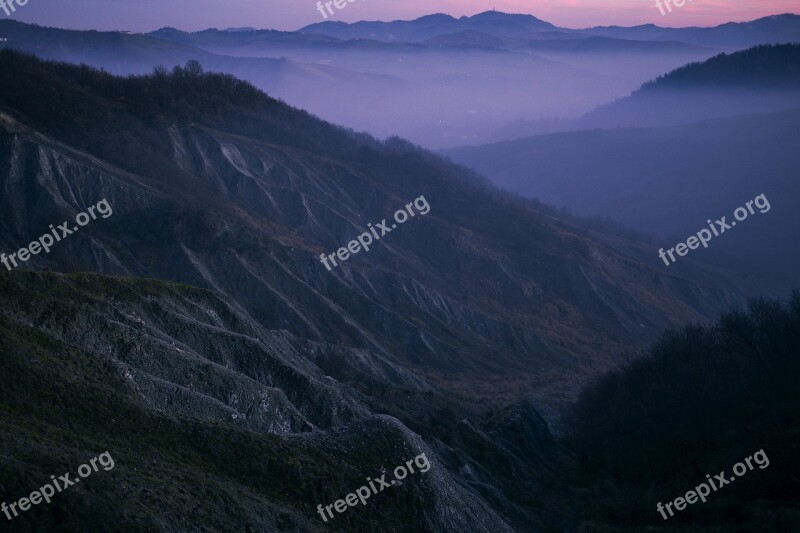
(145, 15)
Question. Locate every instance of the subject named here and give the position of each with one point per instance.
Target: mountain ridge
(761, 79)
(262, 161)
(426, 27)
(729, 35)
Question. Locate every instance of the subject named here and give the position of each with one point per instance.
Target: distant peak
(330, 24)
(496, 15)
(783, 16)
(436, 17)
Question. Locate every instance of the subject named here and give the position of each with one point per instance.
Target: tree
(193, 68)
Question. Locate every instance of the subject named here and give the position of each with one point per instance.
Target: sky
(145, 15)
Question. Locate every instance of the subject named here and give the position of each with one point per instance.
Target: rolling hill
(667, 182)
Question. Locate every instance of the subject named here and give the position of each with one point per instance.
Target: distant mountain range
(491, 22)
(775, 29)
(494, 29)
(767, 30)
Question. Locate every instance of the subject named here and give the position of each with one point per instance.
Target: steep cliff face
(185, 351)
(483, 285)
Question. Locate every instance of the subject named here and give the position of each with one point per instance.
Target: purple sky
(143, 15)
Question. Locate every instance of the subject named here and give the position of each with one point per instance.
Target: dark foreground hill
(189, 397)
(704, 401)
(186, 394)
(448, 336)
